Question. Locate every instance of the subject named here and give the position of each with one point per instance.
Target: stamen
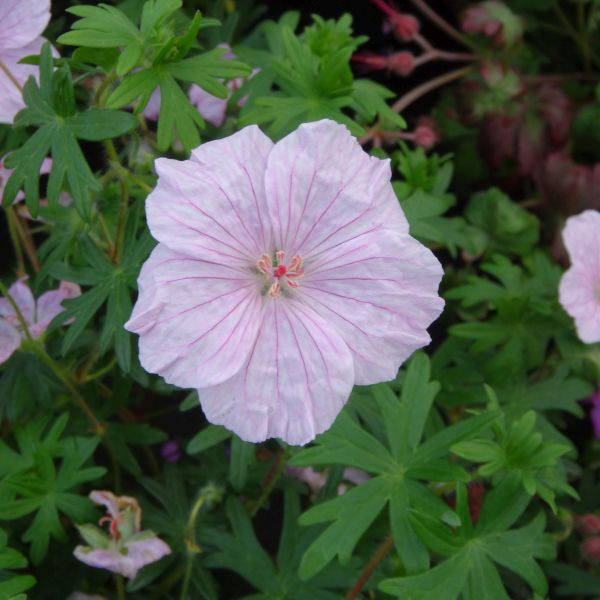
(275, 290)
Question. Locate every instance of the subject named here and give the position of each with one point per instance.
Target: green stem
(120, 232)
(120, 585)
(12, 78)
(16, 242)
(271, 479)
(580, 38)
(22, 322)
(185, 586)
(27, 241)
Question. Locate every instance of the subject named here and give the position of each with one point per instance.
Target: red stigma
(280, 271)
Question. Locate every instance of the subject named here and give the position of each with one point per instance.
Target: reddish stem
(386, 8)
(372, 565)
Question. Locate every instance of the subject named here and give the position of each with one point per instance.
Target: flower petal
(197, 319)
(295, 382)
(111, 560)
(146, 551)
(579, 289)
(210, 107)
(11, 97)
(10, 340)
(212, 206)
(21, 21)
(23, 298)
(49, 304)
(381, 295)
(334, 204)
(319, 185)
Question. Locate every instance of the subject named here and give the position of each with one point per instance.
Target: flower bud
(590, 549)
(588, 524)
(405, 27)
(401, 63)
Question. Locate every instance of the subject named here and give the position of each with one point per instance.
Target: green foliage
(399, 468)
(309, 78)
(12, 586)
(51, 108)
(155, 57)
(474, 551)
(32, 482)
(522, 450)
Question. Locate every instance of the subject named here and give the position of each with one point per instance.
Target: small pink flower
(579, 291)
(590, 549)
(125, 549)
(426, 133)
(402, 63)
(37, 316)
(21, 25)
(285, 273)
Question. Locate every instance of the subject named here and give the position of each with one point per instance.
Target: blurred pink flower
(588, 524)
(595, 416)
(37, 315)
(21, 25)
(579, 290)
(495, 20)
(285, 273)
(125, 549)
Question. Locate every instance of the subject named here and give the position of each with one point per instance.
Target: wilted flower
(21, 25)
(37, 315)
(125, 549)
(579, 290)
(285, 273)
(495, 20)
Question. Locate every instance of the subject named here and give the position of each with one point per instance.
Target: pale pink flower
(579, 290)
(37, 315)
(21, 25)
(125, 549)
(495, 20)
(285, 274)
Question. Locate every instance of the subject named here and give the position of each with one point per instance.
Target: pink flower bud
(401, 63)
(588, 524)
(590, 549)
(405, 27)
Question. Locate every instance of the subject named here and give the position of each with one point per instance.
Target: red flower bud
(401, 63)
(588, 524)
(405, 27)
(590, 549)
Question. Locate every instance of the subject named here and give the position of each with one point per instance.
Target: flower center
(278, 273)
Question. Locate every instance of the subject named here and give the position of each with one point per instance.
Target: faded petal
(212, 206)
(211, 108)
(145, 551)
(49, 304)
(294, 383)
(10, 340)
(21, 21)
(197, 319)
(579, 290)
(23, 298)
(11, 98)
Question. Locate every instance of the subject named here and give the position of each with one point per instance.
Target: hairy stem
(372, 565)
(427, 87)
(442, 24)
(27, 241)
